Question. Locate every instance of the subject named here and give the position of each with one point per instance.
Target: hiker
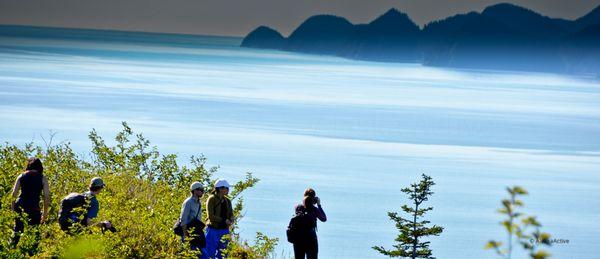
(83, 208)
(220, 219)
(191, 217)
(307, 245)
(301, 227)
(31, 184)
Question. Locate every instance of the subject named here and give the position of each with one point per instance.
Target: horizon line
(121, 30)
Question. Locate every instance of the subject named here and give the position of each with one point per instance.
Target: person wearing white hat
(220, 219)
(191, 218)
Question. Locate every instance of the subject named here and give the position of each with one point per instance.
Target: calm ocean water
(355, 131)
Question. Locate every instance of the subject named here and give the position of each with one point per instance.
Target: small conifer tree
(413, 229)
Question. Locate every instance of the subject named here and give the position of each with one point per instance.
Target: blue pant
(214, 244)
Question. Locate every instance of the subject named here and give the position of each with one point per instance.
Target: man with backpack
(82, 209)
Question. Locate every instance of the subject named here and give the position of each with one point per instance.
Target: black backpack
(70, 202)
(300, 227)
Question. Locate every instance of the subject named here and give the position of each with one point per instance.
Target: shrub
(142, 198)
(525, 230)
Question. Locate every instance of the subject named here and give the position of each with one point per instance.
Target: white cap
(196, 185)
(221, 183)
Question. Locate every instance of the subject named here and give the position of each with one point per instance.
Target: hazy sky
(228, 17)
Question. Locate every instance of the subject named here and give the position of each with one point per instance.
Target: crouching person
(191, 220)
(79, 210)
(220, 219)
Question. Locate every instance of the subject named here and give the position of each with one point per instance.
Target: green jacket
(213, 209)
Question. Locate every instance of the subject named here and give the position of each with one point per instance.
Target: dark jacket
(312, 214)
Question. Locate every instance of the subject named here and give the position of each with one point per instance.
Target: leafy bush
(526, 230)
(142, 198)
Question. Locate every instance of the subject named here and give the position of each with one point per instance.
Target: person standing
(191, 218)
(31, 184)
(220, 219)
(307, 246)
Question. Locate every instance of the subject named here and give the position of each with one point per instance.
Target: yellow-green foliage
(142, 198)
(525, 230)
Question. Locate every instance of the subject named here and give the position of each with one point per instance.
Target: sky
(238, 17)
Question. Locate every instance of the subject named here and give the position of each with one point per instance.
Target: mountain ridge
(502, 36)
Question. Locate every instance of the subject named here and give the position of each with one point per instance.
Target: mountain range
(502, 36)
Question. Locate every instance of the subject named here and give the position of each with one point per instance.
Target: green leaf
(492, 244)
(541, 254)
(519, 190)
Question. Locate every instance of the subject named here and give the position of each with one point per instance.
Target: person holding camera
(307, 246)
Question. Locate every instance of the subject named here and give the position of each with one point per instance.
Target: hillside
(503, 36)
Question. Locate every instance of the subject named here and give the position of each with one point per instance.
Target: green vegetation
(526, 232)
(142, 199)
(412, 230)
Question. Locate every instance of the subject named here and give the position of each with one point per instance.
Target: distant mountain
(321, 34)
(588, 37)
(529, 22)
(391, 37)
(472, 43)
(437, 31)
(581, 50)
(438, 36)
(264, 37)
(500, 38)
(503, 36)
(592, 18)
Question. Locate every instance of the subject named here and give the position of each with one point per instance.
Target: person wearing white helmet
(191, 219)
(220, 219)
